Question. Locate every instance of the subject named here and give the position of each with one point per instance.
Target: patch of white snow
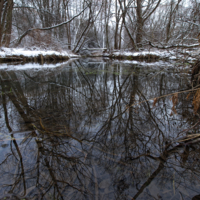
(32, 53)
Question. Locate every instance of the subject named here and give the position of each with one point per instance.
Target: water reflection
(78, 132)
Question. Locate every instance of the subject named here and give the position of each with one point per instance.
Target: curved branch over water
(48, 28)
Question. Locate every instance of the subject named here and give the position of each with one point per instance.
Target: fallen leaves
(196, 101)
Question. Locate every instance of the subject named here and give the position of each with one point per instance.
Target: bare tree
(48, 28)
(6, 8)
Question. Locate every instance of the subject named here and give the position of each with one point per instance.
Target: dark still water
(87, 130)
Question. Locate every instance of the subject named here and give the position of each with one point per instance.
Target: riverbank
(48, 56)
(34, 55)
(153, 55)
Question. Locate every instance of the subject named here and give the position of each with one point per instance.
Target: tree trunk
(124, 12)
(169, 22)
(139, 23)
(116, 26)
(8, 27)
(1, 25)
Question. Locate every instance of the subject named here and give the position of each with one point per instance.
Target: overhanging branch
(47, 28)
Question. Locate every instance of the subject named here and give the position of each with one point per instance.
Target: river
(94, 129)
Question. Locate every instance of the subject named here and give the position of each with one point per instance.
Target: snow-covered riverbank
(38, 55)
(152, 55)
(22, 54)
(32, 52)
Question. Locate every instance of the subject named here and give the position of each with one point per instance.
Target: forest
(99, 99)
(111, 24)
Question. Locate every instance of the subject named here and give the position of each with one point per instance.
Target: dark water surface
(85, 130)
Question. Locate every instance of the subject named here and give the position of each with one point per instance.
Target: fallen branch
(174, 46)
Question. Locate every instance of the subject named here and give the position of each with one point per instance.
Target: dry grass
(155, 101)
(174, 100)
(196, 101)
(188, 96)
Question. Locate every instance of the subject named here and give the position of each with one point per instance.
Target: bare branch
(48, 28)
(174, 46)
(151, 11)
(189, 22)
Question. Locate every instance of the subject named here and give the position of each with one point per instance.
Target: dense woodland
(111, 24)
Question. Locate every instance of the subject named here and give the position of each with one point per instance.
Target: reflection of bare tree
(84, 139)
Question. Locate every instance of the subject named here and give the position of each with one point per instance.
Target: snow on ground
(172, 55)
(163, 54)
(32, 53)
(156, 53)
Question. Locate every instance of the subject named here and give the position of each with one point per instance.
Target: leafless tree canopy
(111, 24)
